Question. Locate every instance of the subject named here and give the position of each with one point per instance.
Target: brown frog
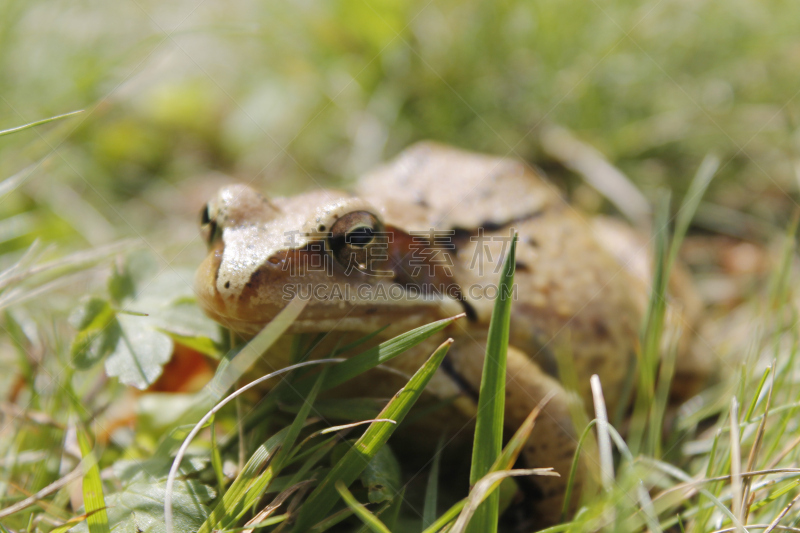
(422, 238)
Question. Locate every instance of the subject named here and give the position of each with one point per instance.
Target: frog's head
(333, 249)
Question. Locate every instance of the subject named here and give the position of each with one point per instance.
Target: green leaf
(355, 460)
(98, 333)
(139, 268)
(140, 353)
(488, 441)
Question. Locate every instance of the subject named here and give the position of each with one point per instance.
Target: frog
(423, 237)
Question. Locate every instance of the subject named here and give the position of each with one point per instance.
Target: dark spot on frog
(321, 227)
(254, 278)
(370, 311)
(522, 267)
(227, 284)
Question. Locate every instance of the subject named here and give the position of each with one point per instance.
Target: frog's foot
(553, 441)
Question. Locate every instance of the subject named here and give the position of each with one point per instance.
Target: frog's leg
(553, 441)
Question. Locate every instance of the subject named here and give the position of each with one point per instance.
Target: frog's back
(572, 289)
(430, 185)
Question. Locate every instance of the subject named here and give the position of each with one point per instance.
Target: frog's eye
(351, 238)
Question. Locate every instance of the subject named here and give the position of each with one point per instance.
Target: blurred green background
(180, 96)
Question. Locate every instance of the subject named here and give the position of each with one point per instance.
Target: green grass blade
(432, 489)
(358, 364)
(369, 519)
(488, 441)
(447, 517)
(234, 498)
(648, 411)
(93, 500)
(231, 369)
(383, 353)
(348, 468)
(216, 458)
(697, 189)
(287, 449)
(257, 489)
(39, 123)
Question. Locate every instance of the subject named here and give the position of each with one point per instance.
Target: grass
(294, 98)
(741, 476)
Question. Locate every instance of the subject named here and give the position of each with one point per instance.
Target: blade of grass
(359, 364)
(603, 437)
(93, 500)
(487, 486)
(360, 510)
(39, 123)
(299, 421)
(381, 354)
(488, 441)
(504, 462)
(666, 252)
(355, 460)
(273, 506)
(736, 464)
(432, 489)
(202, 423)
(231, 369)
(244, 481)
(261, 483)
(216, 458)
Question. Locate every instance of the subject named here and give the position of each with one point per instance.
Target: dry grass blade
(45, 492)
(774, 524)
(71, 263)
(757, 526)
(603, 437)
(751, 460)
(334, 429)
(736, 464)
(486, 486)
(274, 505)
(587, 161)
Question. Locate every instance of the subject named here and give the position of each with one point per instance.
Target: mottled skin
(579, 285)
